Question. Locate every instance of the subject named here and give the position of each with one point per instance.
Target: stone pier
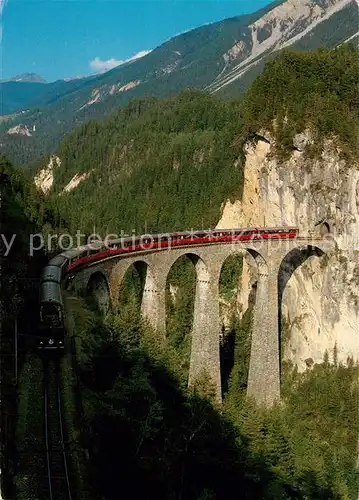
(264, 366)
(205, 350)
(153, 305)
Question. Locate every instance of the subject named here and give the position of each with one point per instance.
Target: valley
(207, 349)
(233, 53)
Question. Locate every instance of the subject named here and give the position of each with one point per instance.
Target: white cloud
(2, 5)
(99, 66)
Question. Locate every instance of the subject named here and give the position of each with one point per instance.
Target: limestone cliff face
(44, 179)
(321, 298)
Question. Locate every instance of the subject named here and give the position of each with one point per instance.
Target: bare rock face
(75, 181)
(20, 130)
(321, 298)
(301, 141)
(44, 179)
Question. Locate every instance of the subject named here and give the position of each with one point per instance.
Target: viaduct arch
(275, 260)
(98, 289)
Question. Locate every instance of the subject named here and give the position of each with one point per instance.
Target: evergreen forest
(160, 165)
(134, 430)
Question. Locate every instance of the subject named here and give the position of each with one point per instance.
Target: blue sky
(60, 38)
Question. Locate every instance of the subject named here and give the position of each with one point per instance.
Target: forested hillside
(155, 165)
(318, 91)
(169, 164)
(151, 437)
(159, 165)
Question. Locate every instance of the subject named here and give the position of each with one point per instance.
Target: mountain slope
(222, 57)
(295, 25)
(179, 54)
(20, 95)
(137, 163)
(166, 164)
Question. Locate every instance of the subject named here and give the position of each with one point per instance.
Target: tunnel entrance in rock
(97, 293)
(180, 300)
(324, 229)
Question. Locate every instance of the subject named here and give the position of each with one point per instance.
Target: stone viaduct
(275, 260)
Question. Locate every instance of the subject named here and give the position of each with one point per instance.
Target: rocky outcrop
(129, 86)
(44, 179)
(321, 299)
(21, 130)
(235, 52)
(95, 97)
(75, 181)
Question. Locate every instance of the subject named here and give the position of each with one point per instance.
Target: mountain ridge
(26, 77)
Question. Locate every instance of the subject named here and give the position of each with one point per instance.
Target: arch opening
(132, 285)
(98, 293)
(323, 228)
(180, 302)
(240, 296)
(230, 323)
(291, 262)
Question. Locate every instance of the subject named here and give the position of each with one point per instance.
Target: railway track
(57, 482)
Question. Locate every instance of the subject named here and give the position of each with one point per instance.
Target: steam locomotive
(64, 265)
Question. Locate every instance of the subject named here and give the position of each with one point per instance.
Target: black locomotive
(52, 324)
(52, 328)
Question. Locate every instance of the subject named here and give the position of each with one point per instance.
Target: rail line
(57, 484)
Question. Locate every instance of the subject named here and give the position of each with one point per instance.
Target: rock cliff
(321, 298)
